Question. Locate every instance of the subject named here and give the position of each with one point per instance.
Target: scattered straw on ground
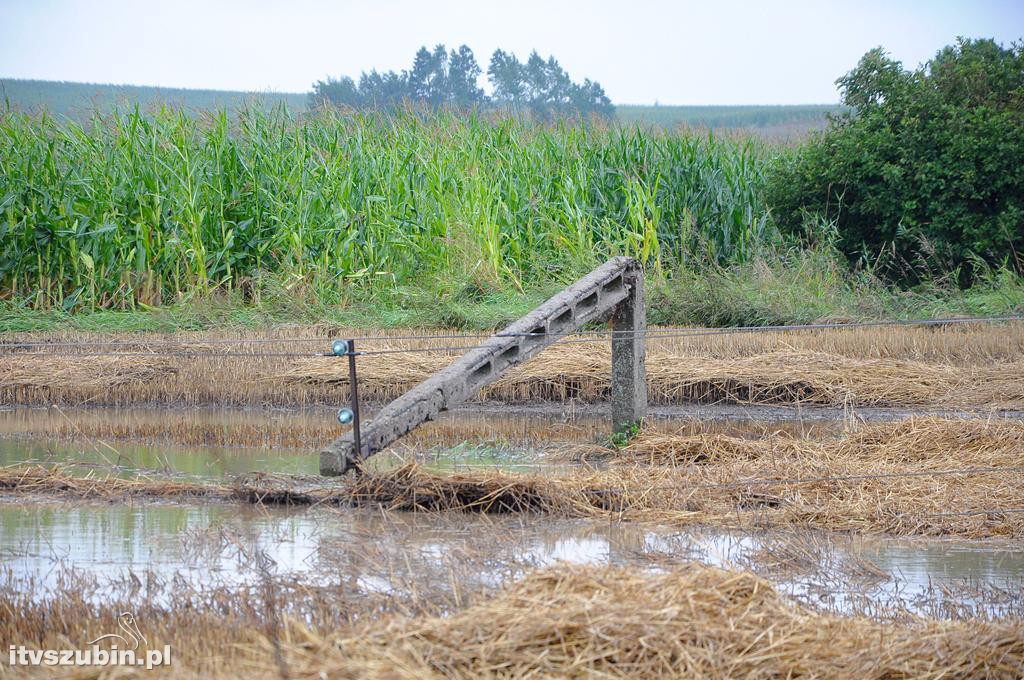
(62, 481)
(692, 622)
(958, 366)
(583, 372)
(915, 477)
(562, 621)
(932, 440)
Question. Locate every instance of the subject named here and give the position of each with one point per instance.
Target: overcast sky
(685, 52)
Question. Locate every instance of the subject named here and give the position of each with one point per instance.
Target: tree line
(440, 77)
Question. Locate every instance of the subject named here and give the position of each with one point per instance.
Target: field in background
(77, 101)
(780, 123)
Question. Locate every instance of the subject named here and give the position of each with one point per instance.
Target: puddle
(130, 459)
(388, 552)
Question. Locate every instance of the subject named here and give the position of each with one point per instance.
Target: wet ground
(379, 551)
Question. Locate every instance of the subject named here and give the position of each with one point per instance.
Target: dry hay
(916, 439)
(562, 621)
(927, 477)
(583, 372)
(663, 448)
(695, 621)
(410, 487)
(972, 441)
(25, 372)
(956, 367)
(38, 480)
(921, 476)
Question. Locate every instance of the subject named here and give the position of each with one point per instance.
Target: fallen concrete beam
(615, 288)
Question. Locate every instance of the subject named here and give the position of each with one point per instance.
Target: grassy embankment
(171, 222)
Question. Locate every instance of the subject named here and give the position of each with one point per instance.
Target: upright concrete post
(629, 372)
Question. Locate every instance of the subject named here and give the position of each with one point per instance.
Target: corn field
(145, 208)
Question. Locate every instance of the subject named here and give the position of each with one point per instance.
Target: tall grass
(135, 208)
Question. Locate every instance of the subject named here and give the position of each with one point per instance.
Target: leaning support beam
(615, 288)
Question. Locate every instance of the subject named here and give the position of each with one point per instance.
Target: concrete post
(613, 289)
(629, 373)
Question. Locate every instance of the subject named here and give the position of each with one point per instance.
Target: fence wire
(580, 336)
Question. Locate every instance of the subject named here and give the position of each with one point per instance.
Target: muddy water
(217, 443)
(394, 551)
(312, 428)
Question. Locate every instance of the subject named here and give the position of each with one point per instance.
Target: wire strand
(650, 333)
(565, 339)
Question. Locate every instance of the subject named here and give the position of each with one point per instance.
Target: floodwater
(388, 552)
(213, 444)
(382, 551)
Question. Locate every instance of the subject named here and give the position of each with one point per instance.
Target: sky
(641, 51)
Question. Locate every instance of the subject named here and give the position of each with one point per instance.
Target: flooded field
(213, 528)
(203, 545)
(214, 443)
(382, 549)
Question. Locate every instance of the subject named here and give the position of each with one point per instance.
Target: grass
(775, 286)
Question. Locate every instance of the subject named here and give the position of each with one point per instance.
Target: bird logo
(126, 622)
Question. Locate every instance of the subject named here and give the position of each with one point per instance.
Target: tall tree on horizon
(463, 78)
(440, 77)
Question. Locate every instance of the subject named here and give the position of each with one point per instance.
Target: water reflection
(385, 551)
(207, 462)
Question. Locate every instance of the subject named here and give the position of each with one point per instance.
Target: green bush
(927, 166)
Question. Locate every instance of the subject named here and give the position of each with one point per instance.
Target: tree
(505, 74)
(926, 163)
(383, 91)
(442, 78)
(341, 92)
(428, 77)
(544, 87)
(463, 77)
